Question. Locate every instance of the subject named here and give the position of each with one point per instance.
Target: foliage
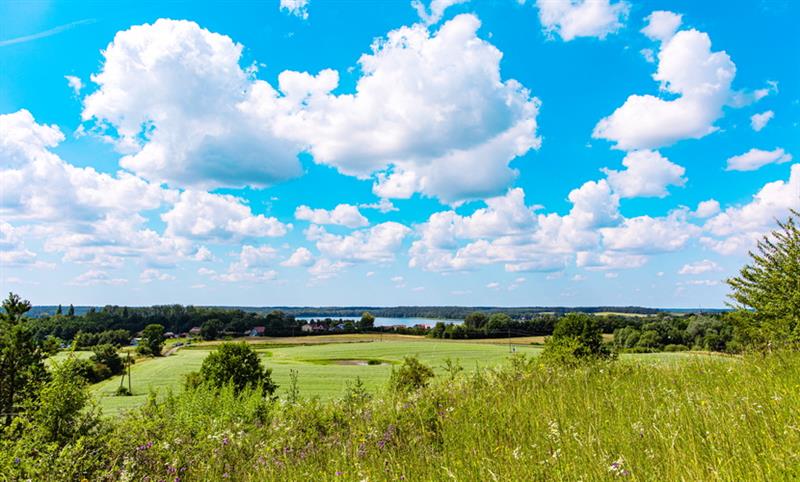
(107, 355)
(152, 340)
(770, 286)
(576, 338)
(412, 375)
(236, 364)
(211, 329)
(22, 368)
(367, 321)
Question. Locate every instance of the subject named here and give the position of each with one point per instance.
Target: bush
(152, 340)
(236, 364)
(412, 375)
(673, 347)
(576, 339)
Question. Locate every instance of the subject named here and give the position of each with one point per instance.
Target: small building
(169, 334)
(257, 331)
(195, 331)
(135, 341)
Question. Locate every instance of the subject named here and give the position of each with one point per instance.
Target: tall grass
(701, 419)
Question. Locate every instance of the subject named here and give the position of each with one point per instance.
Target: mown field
(324, 364)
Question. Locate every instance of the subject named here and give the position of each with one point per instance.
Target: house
(306, 328)
(195, 331)
(257, 331)
(169, 334)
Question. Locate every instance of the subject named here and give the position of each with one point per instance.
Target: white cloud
(253, 265)
(384, 206)
(97, 277)
(89, 216)
(493, 285)
(202, 215)
(342, 215)
(75, 83)
(325, 269)
(431, 114)
(687, 68)
(298, 8)
(150, 275)
(647, 235)
(706, 209)
(609, 260)
(759, 121)
(582, 18)
(173, 97)
(379, 243)
(699, 267)
(662, 25)
(757, 158)
(436, 9)
(737, 228)
(648, 173)
(300, 257)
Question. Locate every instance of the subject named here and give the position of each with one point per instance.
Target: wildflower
(16, 460)
(617, 468)
(226, 475)
(338, 473)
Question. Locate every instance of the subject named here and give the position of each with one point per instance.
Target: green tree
(239, 365)
(767, 291)
(210, 329)
(22, 369)
(60, 416)
(71, 311)
(152, 340)
(476, 320)
(367, 321)
(107, 355)
(412, 375)
(498, 322)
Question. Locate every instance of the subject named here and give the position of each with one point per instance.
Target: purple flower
(225, 475)
(16, 460)
(338, 473)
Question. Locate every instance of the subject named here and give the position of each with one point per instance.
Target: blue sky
(393, 153)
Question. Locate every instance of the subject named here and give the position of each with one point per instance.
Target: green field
(324, 364)
(323, 368)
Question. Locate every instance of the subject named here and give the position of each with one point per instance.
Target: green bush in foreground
(715, 418)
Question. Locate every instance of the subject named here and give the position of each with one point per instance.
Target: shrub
(673, 347)
(576, 339)
(152, 340)
(412, 375)
(236, 364)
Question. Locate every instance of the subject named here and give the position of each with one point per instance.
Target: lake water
(383, 321)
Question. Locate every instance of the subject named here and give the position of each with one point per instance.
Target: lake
(384, 321)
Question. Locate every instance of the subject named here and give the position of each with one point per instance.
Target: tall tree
(152, 340)
(22, 369)
(767, 291)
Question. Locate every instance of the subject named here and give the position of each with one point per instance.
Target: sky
(451, 152)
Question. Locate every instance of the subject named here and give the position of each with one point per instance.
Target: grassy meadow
(324, 364)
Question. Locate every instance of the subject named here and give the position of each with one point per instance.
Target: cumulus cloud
(173, 96)
(90, 217)
(737, 228)
(582, 18)
(647, 235)
(759, 121)
(434, 12)
(343, 215)
(430, 114)
(379, 243)
(662, 25)
(648, 173)
(301, 257)
(253, 265)
(699, 267)
(706, 209)
(204, 216)
(699, 79)
(757, 158)
(298, 8)
(149, 275)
